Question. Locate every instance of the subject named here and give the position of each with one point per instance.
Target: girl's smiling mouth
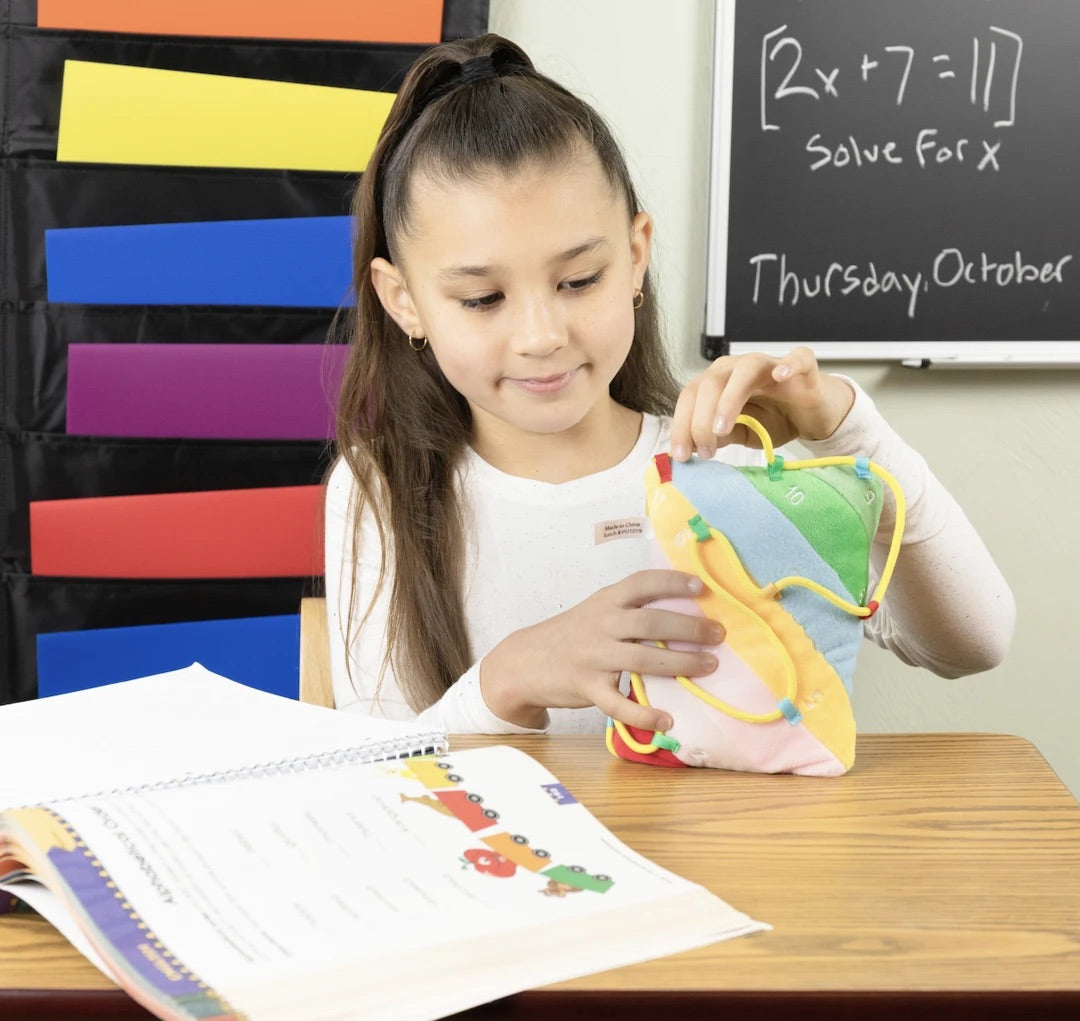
(543, 384)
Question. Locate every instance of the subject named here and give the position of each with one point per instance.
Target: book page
(240, 894)
(171, 726)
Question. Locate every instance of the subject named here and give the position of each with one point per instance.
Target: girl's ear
(393, 293)
(640, 246)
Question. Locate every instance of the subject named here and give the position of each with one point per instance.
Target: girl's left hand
(790, 396)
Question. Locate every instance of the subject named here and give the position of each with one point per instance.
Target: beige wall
(1002, 442)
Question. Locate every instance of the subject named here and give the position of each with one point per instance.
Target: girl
(505, 390)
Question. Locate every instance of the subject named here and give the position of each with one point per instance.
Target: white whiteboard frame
(915, 353)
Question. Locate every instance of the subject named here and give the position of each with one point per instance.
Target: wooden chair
(315, 684)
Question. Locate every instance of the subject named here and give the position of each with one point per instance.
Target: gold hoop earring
(417, 343)
(639, 299)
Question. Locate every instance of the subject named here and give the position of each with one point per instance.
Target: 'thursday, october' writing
(777, 281)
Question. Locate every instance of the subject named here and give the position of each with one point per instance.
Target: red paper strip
(228, 533)
(377, 21)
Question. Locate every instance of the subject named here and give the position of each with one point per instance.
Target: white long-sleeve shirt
(534, 549)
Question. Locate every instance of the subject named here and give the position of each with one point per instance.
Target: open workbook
(224, 853)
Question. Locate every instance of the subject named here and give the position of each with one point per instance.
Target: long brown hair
(401, 427)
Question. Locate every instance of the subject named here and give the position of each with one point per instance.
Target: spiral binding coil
(432, 742)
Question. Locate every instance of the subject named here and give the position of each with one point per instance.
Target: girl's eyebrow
(589, 245)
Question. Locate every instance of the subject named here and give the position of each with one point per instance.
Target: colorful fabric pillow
(784, 554)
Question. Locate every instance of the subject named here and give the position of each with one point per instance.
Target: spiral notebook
(173, 726)
(226, 854)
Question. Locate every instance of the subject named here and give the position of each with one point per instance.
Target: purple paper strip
(204, 391)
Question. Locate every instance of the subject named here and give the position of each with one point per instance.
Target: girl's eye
(583, 283)
(483, 302)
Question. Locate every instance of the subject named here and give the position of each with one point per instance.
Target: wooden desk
(940, 877)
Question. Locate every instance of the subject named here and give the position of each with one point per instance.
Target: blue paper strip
(298, 261)
(261, 652)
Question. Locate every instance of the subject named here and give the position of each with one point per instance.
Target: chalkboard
(896, 179)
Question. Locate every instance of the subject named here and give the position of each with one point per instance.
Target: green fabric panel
(855, 490)
(832, 512)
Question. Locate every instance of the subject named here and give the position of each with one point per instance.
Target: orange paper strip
(373, 21)
(228, 533)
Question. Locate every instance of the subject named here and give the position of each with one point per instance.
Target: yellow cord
(638, 686)
(790, 675)
(637, 683)
(762, 434)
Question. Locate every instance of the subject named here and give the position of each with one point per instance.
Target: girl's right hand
(576, 658)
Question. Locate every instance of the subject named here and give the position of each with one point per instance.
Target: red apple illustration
(491, 862)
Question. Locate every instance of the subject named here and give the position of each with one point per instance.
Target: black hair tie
(477, 69)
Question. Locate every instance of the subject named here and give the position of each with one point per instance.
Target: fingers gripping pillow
(784, 555)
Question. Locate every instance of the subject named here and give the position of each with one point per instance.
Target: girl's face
(523, 285)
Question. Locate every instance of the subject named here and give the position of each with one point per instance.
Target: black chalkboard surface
(897, 179)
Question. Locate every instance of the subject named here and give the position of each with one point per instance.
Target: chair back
(315, 684)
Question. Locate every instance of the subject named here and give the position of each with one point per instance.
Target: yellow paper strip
(113, 113)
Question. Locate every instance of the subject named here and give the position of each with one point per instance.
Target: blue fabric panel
(771, 547)
(296, 261)
(261, 652)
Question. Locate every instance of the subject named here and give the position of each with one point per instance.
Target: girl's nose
(540, 328)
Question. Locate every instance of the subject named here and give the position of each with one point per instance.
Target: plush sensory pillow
(784, 554)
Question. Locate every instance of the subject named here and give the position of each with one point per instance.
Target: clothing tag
(623, 528)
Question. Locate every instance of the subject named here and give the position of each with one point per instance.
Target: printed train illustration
(504, 852)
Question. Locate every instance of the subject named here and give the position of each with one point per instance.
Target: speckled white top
(533, 552)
